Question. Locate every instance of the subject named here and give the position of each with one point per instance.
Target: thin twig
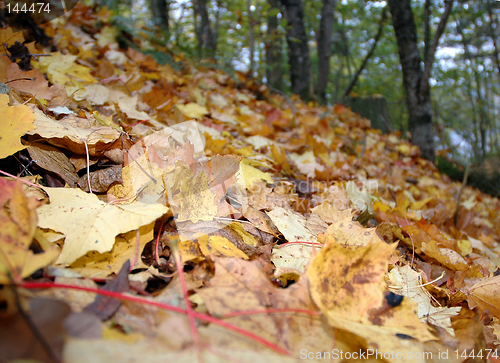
(300, 243)
(180, 267)
(354, 79)
(88, 165)
(142, 169)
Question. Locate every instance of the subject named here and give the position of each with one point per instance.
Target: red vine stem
(141, 300)
(21, 180)
(157, 257)
(180, 270)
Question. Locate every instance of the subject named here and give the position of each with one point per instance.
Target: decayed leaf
(193, 110)
(260, 220)
(329, 213)
(240, 285)
(245, 236)
(360, 198)
(128, 105)
(104, 306)
(407, 282)
(349, 233)
(324, 142)
(307, 163)
(204, 190)
(294, 257)
(101, 180)
(9, 37)
(94, 93)
(17, 228)
(232, 290)
(220, 247)
(62, 69)
(141, 178)
(446, 256)
(222, 168)
(291, 225)
(18, 340)
(349, 282)
(67, 133)
(52, 159)
(251, 173)
(101, 265)
(88, 223)
(30, 82)
(382, 339)
(16, 121)
(196, 202)
(189, 250)
(486, 295)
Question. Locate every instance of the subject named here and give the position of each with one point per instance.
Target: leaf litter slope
(260, 196)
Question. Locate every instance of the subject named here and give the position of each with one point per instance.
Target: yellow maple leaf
(219, 246)
(88, 223)
(16, 121)
(8, 37)
(193, 110)
(17, 228)
(62, 69)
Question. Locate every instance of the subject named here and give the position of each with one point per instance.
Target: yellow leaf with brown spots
(349, 282)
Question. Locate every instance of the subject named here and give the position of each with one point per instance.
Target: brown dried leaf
(101, 180)
(54, 160)
(486, 295)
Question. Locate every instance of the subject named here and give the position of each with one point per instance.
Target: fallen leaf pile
(218, 221)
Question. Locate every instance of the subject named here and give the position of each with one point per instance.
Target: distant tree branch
(429, 60)
(370, 53)
(492, 36)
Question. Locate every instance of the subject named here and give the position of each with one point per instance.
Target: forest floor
(160, 214)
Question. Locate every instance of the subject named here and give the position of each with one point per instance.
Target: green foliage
(466, 86)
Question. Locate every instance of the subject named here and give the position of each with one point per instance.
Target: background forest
(336, 51)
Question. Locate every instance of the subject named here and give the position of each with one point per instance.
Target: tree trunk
(159, 13)
(298, 50)
(274, 71)
(324, 48)
(206, 39)
(416, 79)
